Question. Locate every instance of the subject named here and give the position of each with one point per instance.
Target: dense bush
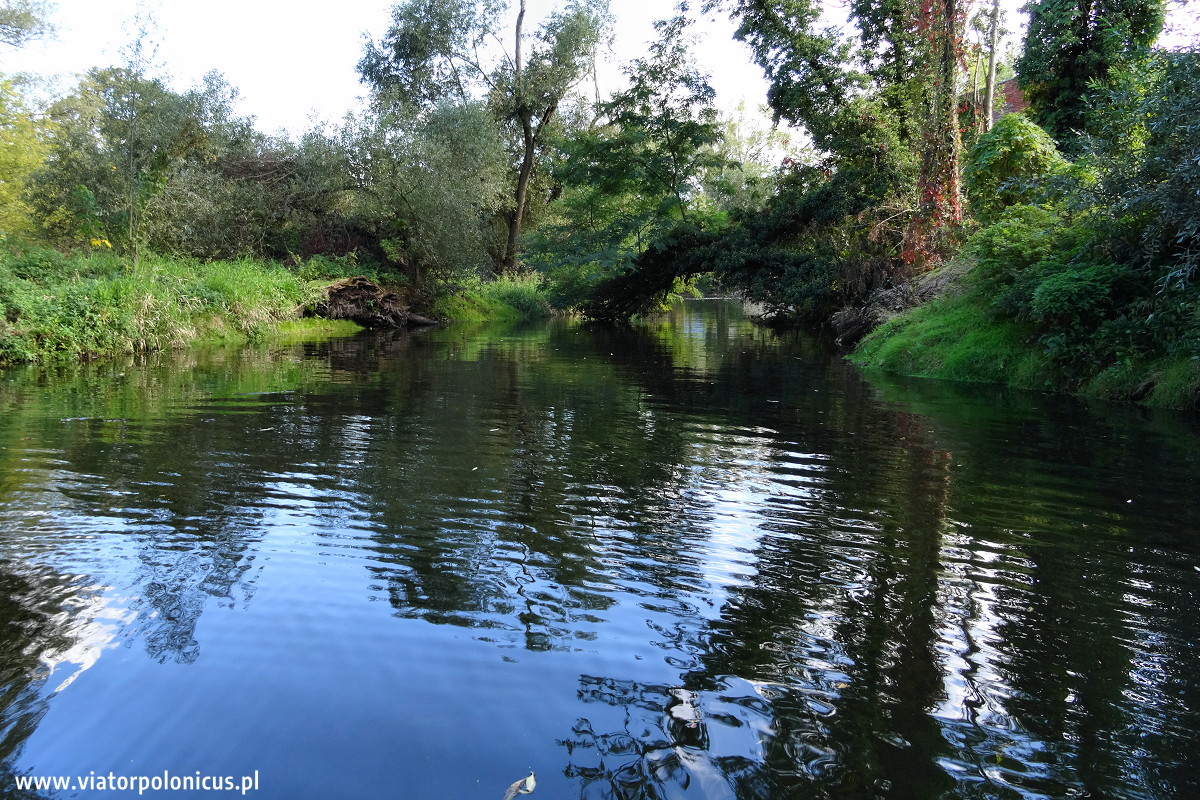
(1008, 165)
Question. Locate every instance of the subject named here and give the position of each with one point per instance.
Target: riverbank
(57, 307)
(965, 334)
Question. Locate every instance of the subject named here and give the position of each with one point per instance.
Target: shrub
(1008, 166)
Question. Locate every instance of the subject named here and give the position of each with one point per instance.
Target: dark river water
(687, 559)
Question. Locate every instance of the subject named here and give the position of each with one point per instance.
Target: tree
(22, 21)
(660, 133)
(435, 47)
(636, 177)
(809, 70)
(246, 194)
(117, 141)
(427, 186)
(22, 150)
(1072, 43)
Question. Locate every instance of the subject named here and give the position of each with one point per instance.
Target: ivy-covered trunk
(939, 212)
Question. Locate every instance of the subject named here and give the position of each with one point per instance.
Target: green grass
(960, 338)
(507, 298)
(1165, 383)
(955, 338)
(54, 307)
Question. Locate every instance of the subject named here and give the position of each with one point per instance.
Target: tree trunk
(518, 214)
(989, 93)
(526, 169)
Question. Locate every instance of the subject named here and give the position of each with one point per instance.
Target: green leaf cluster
(1070, 47)
(1008, 165)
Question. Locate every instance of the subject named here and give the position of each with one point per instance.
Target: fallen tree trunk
(362, 301)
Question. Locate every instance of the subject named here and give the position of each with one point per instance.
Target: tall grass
(508, 297)
(57, 307)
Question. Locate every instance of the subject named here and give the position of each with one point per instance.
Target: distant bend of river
(689, 558)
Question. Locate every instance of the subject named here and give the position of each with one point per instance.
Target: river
(690, 558)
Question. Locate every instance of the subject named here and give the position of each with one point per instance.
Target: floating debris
(524, 786)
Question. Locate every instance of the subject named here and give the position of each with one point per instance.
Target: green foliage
(248, 195)
(660, 133)
(1098, 279)
(53, 306)
(23, 21)
(429, 50)
(22, 150)
(814, 72)
(1070, 45)
(810, 72)
(429, 184)
(119, 137)
(1008, 165)
(1146, 154)
(632, 183)
(1021, 238)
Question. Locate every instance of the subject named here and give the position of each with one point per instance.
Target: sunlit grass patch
(61, 307)
(956, 339)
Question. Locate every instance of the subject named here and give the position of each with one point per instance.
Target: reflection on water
(684, 559)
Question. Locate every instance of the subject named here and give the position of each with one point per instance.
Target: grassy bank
(61, 307)
(507, 298)
(58, 307)
(966, 336)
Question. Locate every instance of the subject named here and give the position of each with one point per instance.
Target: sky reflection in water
(686, 559)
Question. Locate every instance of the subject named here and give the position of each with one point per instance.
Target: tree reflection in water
(671, 742)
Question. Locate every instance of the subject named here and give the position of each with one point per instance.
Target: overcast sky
(292, 61)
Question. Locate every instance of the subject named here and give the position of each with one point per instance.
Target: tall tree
(428, 185)
(1071, 43)
(117, 142)
(891, 54)
(989, 94)
(435, 47)
(633, 181)
(22, 21)
(809, 70)
(939, 207)
(23, 146)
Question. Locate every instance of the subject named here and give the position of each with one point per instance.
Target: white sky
(293, 61)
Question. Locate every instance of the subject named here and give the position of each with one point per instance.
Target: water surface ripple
(686, 559)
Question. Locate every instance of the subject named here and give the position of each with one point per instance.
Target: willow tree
(117, 141)
(436, 49)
